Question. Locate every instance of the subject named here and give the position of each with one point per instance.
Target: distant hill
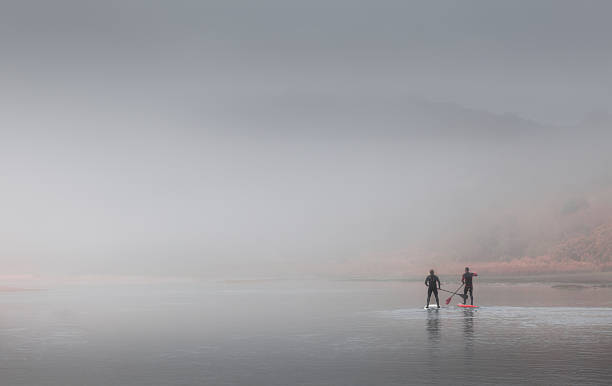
(594, 247)
(565, 235)
(317, 116)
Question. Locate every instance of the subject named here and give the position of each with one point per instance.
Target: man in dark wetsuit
(467, 280)
(430, 282)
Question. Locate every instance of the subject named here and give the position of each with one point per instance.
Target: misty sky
(204, 137)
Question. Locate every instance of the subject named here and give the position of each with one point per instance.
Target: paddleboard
(466, 306)
(431, 307)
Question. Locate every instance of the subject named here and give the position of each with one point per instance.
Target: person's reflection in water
(468, 324)
(468, 330)
(433, 326)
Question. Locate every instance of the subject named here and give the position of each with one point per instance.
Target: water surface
(304, 333)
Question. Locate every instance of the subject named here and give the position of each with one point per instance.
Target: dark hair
(431, 271)
(467, 268)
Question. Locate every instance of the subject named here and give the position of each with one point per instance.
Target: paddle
(454, 293)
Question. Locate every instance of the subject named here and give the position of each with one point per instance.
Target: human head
(431, 271)
(467, 269)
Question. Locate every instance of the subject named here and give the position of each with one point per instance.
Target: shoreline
(595, 279)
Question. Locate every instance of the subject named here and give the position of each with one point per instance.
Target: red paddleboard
(466, 306)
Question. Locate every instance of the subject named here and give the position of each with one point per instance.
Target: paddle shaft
(454, 293)
(450, 292)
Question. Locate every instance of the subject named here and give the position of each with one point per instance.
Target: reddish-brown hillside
(594, 247)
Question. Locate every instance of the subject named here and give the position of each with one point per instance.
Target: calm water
(311, 333)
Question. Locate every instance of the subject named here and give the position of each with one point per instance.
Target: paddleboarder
(466, 279)
(432, 287)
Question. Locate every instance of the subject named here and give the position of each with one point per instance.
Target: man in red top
(467, 280)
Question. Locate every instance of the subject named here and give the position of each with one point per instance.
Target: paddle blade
(448, 300)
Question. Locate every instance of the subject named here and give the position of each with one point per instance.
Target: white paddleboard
(431, 307)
